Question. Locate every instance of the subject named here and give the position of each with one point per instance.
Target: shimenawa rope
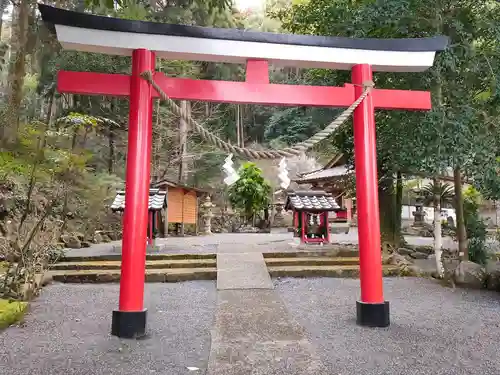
(249, 153)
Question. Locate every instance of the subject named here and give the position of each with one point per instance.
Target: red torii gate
(90, 33)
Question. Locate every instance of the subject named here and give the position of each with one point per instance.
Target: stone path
(242, 271)
(253, 332)
(255, 335)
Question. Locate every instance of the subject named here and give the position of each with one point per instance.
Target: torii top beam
(90, 33)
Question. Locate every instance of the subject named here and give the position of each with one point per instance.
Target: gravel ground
(67, 332)
(434, 330)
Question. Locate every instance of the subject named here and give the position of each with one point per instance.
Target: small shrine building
(310, 215)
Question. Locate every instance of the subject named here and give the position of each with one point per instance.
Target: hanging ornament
(231, 174)
(283, 174)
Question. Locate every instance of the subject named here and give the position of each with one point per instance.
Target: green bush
(250, 194)
(475, 227)
(11, 312)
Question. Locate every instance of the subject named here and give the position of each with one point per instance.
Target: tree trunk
(399, 207)
(183, 130)
(111, 145)
(111, 139)
(51, 110)
(240, 122)
(157, 144)
(438, 238)
(20, 18)
(389, 229)
(459, 210)
(238, 135)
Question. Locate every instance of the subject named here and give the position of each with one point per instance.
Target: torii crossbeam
(145, 41)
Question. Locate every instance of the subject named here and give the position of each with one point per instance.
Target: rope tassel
(249, 153)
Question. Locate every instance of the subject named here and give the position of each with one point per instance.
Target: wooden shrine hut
(183, 204)
(169, 203)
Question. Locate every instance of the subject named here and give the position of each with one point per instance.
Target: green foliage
(475, 227)
(251, 193)
(11, 312)
(488, 181)
(11, 165)
(445, 192)
(113, 4)
(4, 49)
(416, 141)
(296, 124)
(462, 129)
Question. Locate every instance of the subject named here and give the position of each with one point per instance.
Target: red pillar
(303, 233)
(296, 224)
(130, 320)
(327, 223)
(150, 227)
(372, 310)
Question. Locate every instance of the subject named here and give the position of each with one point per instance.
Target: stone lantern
(207, 215)
(279, 220)
(419, 213)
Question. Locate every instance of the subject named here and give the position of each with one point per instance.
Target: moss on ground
(11, 312)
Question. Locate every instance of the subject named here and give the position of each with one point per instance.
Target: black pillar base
(129, 324)
(372, 314)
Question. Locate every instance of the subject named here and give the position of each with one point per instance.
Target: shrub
(11, 312)
(475, 227)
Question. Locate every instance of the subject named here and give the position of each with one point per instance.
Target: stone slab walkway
(253, 332)
(242, 271)
(254, 335)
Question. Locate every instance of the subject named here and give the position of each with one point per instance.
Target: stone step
(117, 257)
(311, 261)
(325, 271)
(343, 253)
(186, 274)
(152, 275)
(150, 264)
(99, 265)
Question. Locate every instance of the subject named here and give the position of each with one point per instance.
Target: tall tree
(411, 142)
(17, 70)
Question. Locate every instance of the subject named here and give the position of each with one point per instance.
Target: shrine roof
(311, 201)
(324, 174)
(91, 33)
(157, 200)
(166, 183)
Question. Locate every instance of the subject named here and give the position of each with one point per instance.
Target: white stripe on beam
(217, 50)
